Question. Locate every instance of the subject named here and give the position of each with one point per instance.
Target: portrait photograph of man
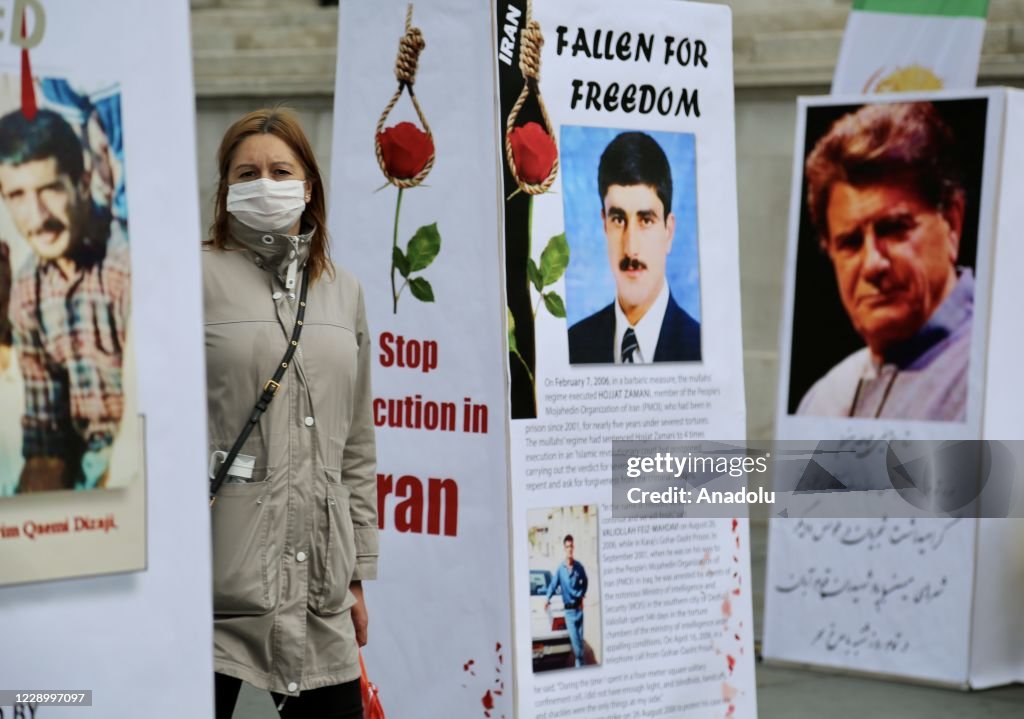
(633, 281)
(65, 272)
(565, 587)
(885, 282)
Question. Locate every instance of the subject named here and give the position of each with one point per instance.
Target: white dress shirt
(647, 329)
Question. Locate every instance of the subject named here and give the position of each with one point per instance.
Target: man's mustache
(51, 225)
(631, 263)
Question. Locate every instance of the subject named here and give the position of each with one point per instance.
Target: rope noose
(531, 40)
(409, 48)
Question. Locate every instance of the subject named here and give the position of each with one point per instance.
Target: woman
(295, 523)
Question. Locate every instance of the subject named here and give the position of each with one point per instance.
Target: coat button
(308, 421)
(301, 556)
(277, 295)
(292, 686)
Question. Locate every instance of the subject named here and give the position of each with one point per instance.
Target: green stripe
(945, 8)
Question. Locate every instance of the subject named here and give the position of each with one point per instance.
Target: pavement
(790, 693)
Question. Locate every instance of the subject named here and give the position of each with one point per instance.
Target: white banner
(424, 245)
(868, 353)
(98, 235)
(621, 215)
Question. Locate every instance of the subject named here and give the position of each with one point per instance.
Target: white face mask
(267, 205)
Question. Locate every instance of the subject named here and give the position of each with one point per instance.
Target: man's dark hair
(886, 142)
(44, 136)
(634, 158)
(568, 538)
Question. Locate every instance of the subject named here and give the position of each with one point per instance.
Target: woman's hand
(360, 618)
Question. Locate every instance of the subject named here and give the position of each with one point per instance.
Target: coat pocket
(244, 557)
(338, 560)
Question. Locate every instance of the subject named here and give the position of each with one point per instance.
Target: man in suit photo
(643, 323)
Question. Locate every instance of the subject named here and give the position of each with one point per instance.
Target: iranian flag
(902, 45)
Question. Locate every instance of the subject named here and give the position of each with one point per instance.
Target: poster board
(440, 626)
(911, 575)
(72, 464)
(666, 615)
(93, 623)
(436, 270)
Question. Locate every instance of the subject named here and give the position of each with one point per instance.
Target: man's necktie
(629, 345)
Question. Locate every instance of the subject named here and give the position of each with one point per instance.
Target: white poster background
(721, 346)
(440, 623)
(934, 634)
(997, 644)
(142, 642)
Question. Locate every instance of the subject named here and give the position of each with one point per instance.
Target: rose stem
(394, 246)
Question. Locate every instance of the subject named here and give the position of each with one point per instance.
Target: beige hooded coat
(288, 541)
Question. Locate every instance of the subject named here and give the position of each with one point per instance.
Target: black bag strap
(269, 390)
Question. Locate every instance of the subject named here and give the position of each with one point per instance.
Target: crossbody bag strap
(269, 390)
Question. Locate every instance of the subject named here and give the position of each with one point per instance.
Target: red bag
(371, 695)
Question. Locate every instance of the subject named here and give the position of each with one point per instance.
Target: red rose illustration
(406, 150)
(534, 152)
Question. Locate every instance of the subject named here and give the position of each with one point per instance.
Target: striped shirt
(69, 331)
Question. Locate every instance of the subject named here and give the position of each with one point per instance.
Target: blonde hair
(284, 124)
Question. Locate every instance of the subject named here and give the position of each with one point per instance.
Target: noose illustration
(410, 46)
(405, 154)
(531, 40)
(532, 156)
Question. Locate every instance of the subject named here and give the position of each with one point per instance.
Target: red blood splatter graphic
(734, 524)
(735, 559)
(737, 636)
(497, 647)
(732, 662)
(488, 700)
(736, 591)
(726, 607)
(467, 665)
(732, 710)
(737, 542)
(728, 692)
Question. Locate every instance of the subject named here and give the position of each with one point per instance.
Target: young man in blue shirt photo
(572, 578)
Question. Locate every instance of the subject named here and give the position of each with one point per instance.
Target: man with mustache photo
(886, 196)
(644, 323)
(69, 304)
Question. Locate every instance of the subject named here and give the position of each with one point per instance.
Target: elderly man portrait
(68, 307)
(643, 323)
(886, 197)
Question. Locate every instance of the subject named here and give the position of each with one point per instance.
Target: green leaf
(533, 272)
(401, 263)
(423, 247)
(421, 289)
(554, 304)
(512, 347)
(554, 259)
